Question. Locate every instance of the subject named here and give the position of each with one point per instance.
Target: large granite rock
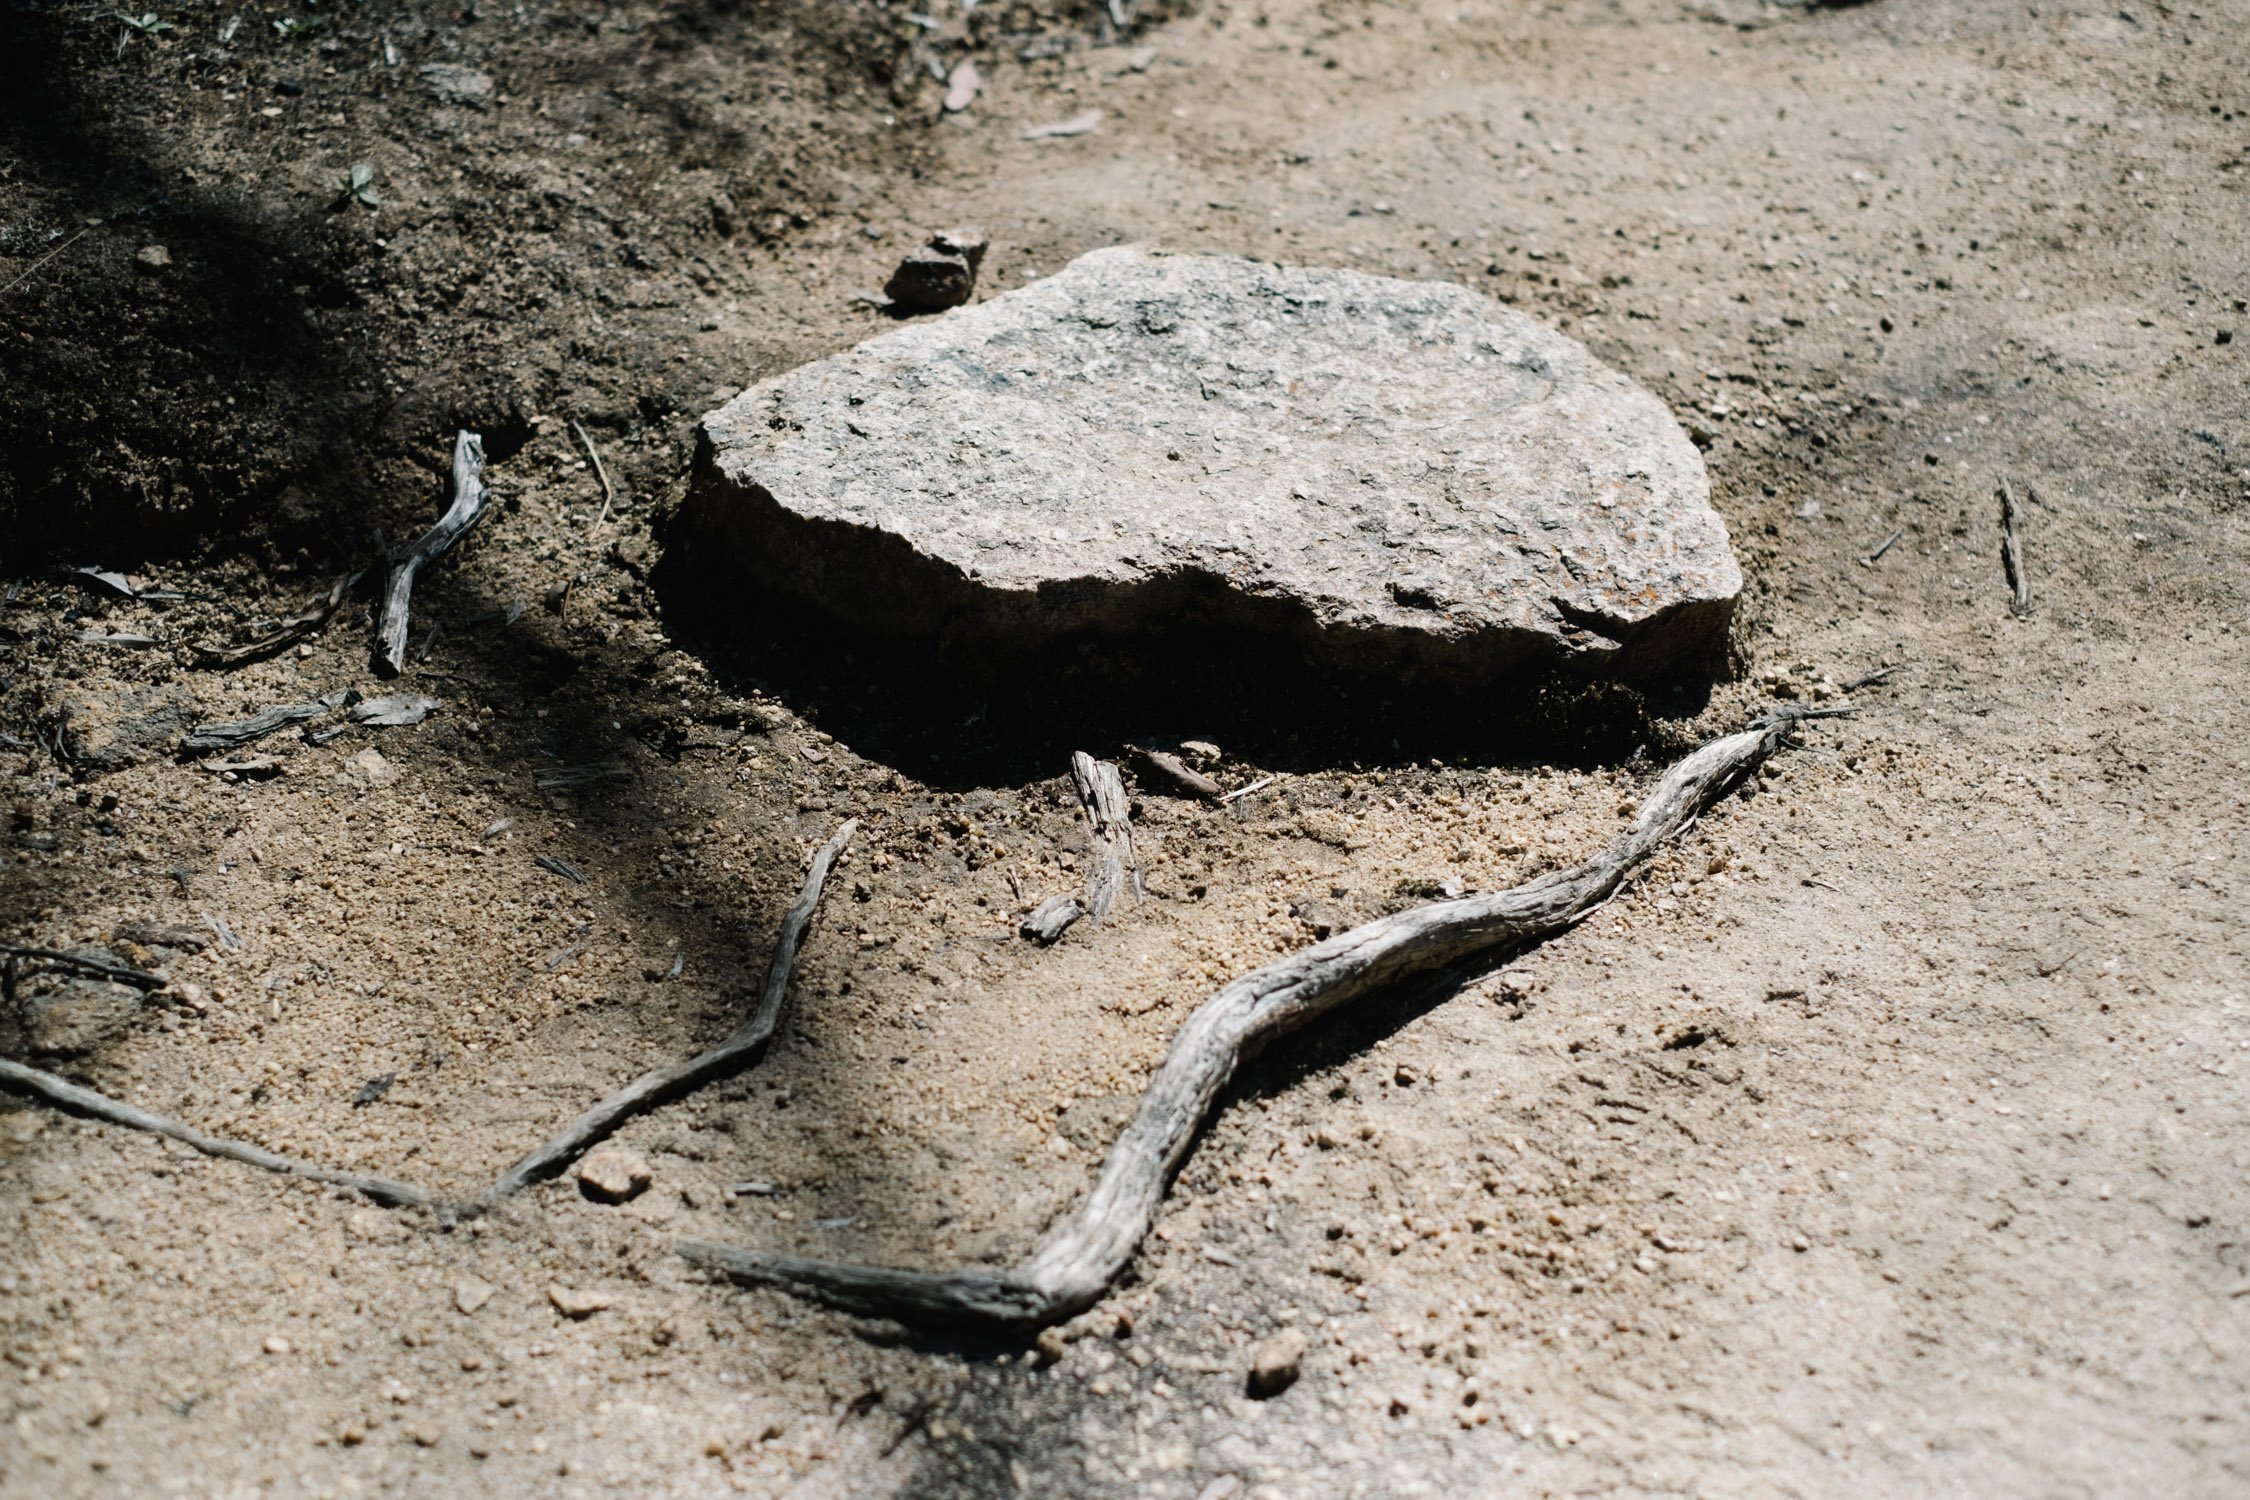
(1388, 477)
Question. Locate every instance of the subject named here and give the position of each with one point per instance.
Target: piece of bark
(1114, 868)
(1085, 1253)
(396, 711)
(1050, 919)
(205, 738)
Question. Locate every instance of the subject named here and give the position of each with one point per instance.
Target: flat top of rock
(1391, 454)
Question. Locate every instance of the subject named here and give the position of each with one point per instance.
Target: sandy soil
(1887, 1138)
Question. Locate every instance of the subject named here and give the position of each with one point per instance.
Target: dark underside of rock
(1199, 471)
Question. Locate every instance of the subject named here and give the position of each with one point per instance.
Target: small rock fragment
(471, 1293)
(964, 240)
(152, 260)
(276, 1345)
(612, 1175)
(1276, 1362)
(576, 1305)
(961, 87)
(369, 768)
(454, 84)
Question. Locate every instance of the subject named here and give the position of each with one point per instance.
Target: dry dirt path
(1889, 1140)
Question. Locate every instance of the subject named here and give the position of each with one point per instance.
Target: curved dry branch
(64, 1094)
(1083, 1255)
(470, 496)
(654, 1087)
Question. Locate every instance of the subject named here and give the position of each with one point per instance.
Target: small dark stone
(288, 88)
(930, 280)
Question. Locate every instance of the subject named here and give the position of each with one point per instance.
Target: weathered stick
(1101, 793)
(1083, 1255)
(470, 497)
(94, 967)
(2011, 553)
(655, 1087)
(232, 736)
(292, 630)
(1179, 773)
(1241, 792)
(64, 1094)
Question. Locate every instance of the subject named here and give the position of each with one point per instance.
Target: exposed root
(1081, 1257)
(653, 1088)
(78, 1100)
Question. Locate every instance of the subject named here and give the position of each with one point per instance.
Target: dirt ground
(1888, 1137)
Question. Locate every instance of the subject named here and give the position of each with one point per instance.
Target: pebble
(1276, 1363)
(613, 1174)
(152, 259)
(277, 1345)
(471, 1293)
(577, 1305)
(371, 769)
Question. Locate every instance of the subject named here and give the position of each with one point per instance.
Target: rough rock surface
(1393, 474)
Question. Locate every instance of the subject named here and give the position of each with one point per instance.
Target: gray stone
(458, 85)
(1389, 476)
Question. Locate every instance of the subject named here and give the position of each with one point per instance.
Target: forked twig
(470, 497)
(64, 1094)
(654, 1087)
(1082, 1256)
